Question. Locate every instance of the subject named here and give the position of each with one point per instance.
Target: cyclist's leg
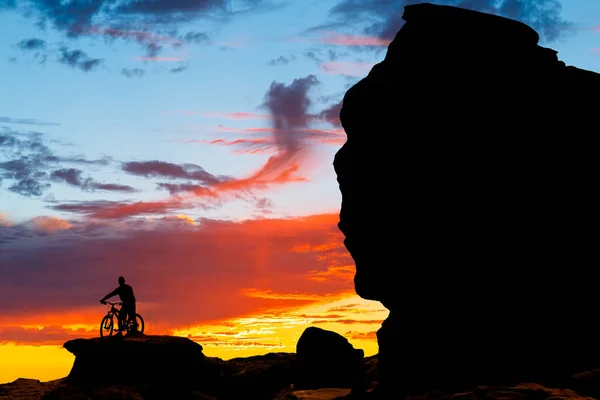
(122, 319)
(132, 316)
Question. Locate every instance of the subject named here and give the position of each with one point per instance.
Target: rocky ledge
(165, 367)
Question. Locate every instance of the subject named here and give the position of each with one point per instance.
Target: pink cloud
(183, 273)
(347, 68)
(238, 115)
(50, 224)
(353, 40)
(4, 221)
(288, 104)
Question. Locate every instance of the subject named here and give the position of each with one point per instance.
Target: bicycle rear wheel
(140, 323)
(106, 326)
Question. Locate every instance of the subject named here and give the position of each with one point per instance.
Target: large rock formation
(479, 145)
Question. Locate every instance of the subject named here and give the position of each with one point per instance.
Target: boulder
(479, 144)
(325, 359)
(155, 363)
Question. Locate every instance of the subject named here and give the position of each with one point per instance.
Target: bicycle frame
(116, 312)
(132, 324)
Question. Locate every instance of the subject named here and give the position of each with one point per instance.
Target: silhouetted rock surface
(475, 143)
(258, 377)
(326, 359)
(140, 360)
(158, 368)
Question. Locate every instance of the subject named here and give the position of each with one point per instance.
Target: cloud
(351, 321)
(25, 121)
(78, 59)
(183, 271)
(50, 224)
(153, 43)
(196, 37)
(73, 177)
(288, 106)
(332, 114)
(383, 19)
(25, 160)
(177, 70)
(240, 115)
(340, 39)
(5, 222)
(133, 72)
(158, 59)
(281, 60)
(161, 169)
(348, 68)
(46, 335)
(266, 144)
(32, 44)
(129, 21)
(27, 168)
(352, 335)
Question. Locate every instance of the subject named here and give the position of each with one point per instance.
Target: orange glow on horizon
(238, 288)
(272, 331)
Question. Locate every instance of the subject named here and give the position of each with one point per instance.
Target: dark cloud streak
(74, 177)
(25, 160)
(78, 59)
(26, 121)
(32, 44)
(133, 72)
(163, 169)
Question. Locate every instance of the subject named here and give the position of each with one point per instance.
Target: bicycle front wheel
(140, 323)
(106, 326)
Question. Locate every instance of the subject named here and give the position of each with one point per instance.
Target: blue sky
(117, 103)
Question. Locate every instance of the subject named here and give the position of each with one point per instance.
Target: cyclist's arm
(111, 294)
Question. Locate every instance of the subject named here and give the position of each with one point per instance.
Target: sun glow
(271, 331)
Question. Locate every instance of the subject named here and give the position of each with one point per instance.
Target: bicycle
(107, 325)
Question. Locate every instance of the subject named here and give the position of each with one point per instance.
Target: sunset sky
(188, 146)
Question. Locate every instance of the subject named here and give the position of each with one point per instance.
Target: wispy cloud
(133, 72)
(238, 115)
(27, 162)
(288, 106)
(158, 59)
(341, 39)
(26, 121)
(347, 68)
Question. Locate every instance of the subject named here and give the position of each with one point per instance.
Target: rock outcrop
(268, 377)
(160, 368)
(152, 361)
(479, 145)
(325, 359)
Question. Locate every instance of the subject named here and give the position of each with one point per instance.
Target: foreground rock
(158, 367)
(27, 389)
(325, 359)
(140, 361)
(480, 141)
(267, 378)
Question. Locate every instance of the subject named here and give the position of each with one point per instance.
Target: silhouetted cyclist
(127, 297)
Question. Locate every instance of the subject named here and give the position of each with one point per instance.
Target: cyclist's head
(121, 280)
